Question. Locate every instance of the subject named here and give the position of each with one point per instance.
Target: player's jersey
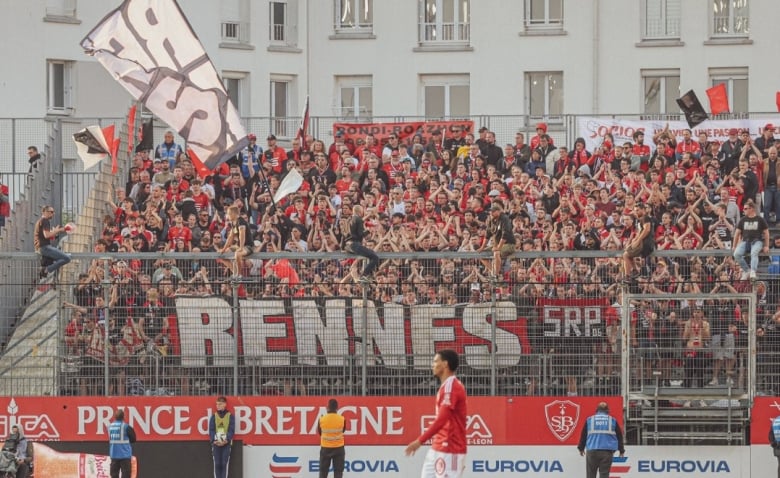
(450, 437)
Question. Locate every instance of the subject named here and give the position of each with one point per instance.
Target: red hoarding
(293, 420)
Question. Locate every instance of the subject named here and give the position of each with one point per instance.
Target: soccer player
(447, 456)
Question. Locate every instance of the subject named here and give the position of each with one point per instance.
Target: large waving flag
(149, 47)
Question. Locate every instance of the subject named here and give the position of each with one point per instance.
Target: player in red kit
(447, 456)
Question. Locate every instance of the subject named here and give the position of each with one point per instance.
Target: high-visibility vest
(332, 430)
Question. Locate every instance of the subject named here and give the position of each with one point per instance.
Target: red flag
(200, 168)
(304, 127)
(719, 99)
(777, 100)
(131, 129)
(113, 146)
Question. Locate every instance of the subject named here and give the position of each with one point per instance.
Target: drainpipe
(595, 105)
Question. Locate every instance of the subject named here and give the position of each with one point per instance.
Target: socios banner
(293, 420)
(593, 129)
(508, 461)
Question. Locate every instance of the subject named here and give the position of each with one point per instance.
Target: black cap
(270, 137)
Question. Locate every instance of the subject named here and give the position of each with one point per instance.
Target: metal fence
(174, 329)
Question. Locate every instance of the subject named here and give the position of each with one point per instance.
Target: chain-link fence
(176, 324)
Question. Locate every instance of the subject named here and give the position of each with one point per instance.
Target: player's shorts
(443, 465)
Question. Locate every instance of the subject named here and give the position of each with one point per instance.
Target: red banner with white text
(293, 420)
(404, 130)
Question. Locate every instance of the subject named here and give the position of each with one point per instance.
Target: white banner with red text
(593, 129)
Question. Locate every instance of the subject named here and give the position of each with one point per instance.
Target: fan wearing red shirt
(447, 456)
(687, 145)
(179, 231)
(274, 155)
(201, 199)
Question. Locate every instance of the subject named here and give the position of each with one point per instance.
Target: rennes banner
(302, 331)
(293, 420)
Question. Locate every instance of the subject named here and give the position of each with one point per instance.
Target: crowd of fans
(437, 195)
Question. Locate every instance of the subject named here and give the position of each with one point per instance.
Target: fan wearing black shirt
(500, 230)
(238, 236)
(641, 245)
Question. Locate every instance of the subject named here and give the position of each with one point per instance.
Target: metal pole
(752, 355)
(106, 296)
(625, 378)
(234, 313)
(494, 351)
(13, 148)
(364, 341)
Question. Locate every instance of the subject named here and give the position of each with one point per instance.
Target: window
(661, 89)
(283, 23)
(233, 25)
(730, 18)
(59, 86)
(280, 106)
(354, 14)
(736, 80)
(236, 85)
(446, 96)
(544, 94)
(61, 11)
(445, 21)
(278, 21)
(661, 20)
(355, 97)
(543, 14)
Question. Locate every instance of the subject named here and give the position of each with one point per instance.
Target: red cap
(733, 131)
(542, 126)
(769, 126)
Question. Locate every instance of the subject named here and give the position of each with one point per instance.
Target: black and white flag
(149, 47)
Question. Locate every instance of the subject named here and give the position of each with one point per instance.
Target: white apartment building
(428, 58)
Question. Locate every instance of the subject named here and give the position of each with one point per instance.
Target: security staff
(774, 440)
(331, 428)
(120, 437)
(222, 426)
(601, 437)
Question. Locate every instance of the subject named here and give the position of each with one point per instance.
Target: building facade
(429, 58)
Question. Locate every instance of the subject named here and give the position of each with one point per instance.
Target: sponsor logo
(516, 466)
(284, 466)
(620, 467)
(360, 466)
(439, 466)
(35, 427)
(477, 431)
(562, 418)
(683, 466)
